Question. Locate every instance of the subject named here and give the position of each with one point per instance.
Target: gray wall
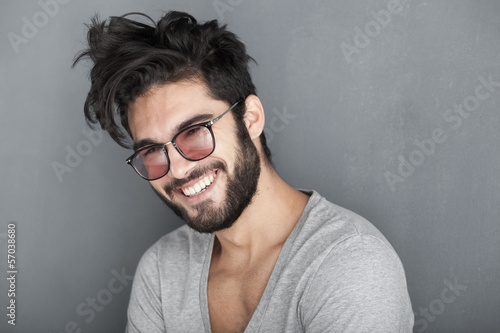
(348, 103)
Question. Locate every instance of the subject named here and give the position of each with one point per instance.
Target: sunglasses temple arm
(216, 119)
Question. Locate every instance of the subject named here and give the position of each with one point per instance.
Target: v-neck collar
(260, 310)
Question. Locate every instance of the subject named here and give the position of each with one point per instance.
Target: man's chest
(233, 298)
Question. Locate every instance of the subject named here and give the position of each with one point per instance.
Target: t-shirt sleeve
(359, 287)
(144, 310)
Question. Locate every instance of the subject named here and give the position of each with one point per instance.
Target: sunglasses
(194, 143)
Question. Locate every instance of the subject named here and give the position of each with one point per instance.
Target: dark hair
(131, 57)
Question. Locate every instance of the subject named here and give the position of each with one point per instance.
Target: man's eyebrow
(191, 121)
(143, 143)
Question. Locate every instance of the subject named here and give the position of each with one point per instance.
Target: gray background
(351, 120)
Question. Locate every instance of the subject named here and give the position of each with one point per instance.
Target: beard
(240, 189)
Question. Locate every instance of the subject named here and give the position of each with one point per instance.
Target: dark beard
(240, 189)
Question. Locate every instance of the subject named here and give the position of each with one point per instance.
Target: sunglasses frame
(207, 124)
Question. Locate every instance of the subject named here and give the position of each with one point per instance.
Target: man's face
(232, 170)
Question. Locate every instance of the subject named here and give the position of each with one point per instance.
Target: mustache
(195, 174)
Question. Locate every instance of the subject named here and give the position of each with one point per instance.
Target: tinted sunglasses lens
(151, 163)
(195, 142)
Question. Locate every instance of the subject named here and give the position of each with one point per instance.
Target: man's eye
(150, 151)
(192, 131)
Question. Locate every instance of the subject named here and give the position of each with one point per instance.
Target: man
(256, 254)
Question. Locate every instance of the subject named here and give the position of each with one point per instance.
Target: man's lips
(177, 185)
(198, 186)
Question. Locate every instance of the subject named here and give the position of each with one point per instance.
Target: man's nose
(180, 167)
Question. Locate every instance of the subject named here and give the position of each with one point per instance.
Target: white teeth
(199, 187)
(207, 181)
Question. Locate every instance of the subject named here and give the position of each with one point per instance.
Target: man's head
(160, 79)
(209, 194)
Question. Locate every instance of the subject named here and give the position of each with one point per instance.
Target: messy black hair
(131, 57)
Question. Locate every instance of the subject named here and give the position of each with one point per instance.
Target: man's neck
(265, 224)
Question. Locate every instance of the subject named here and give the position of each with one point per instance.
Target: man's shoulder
(330, 232)
(335, 222)
(353, 272)
(180, 244)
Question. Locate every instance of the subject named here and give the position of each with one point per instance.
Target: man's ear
(254, 117)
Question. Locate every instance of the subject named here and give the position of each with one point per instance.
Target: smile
(199, 187)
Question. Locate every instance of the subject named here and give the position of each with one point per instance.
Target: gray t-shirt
(335, 273)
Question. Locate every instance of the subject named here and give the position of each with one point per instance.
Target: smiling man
(255, 255)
